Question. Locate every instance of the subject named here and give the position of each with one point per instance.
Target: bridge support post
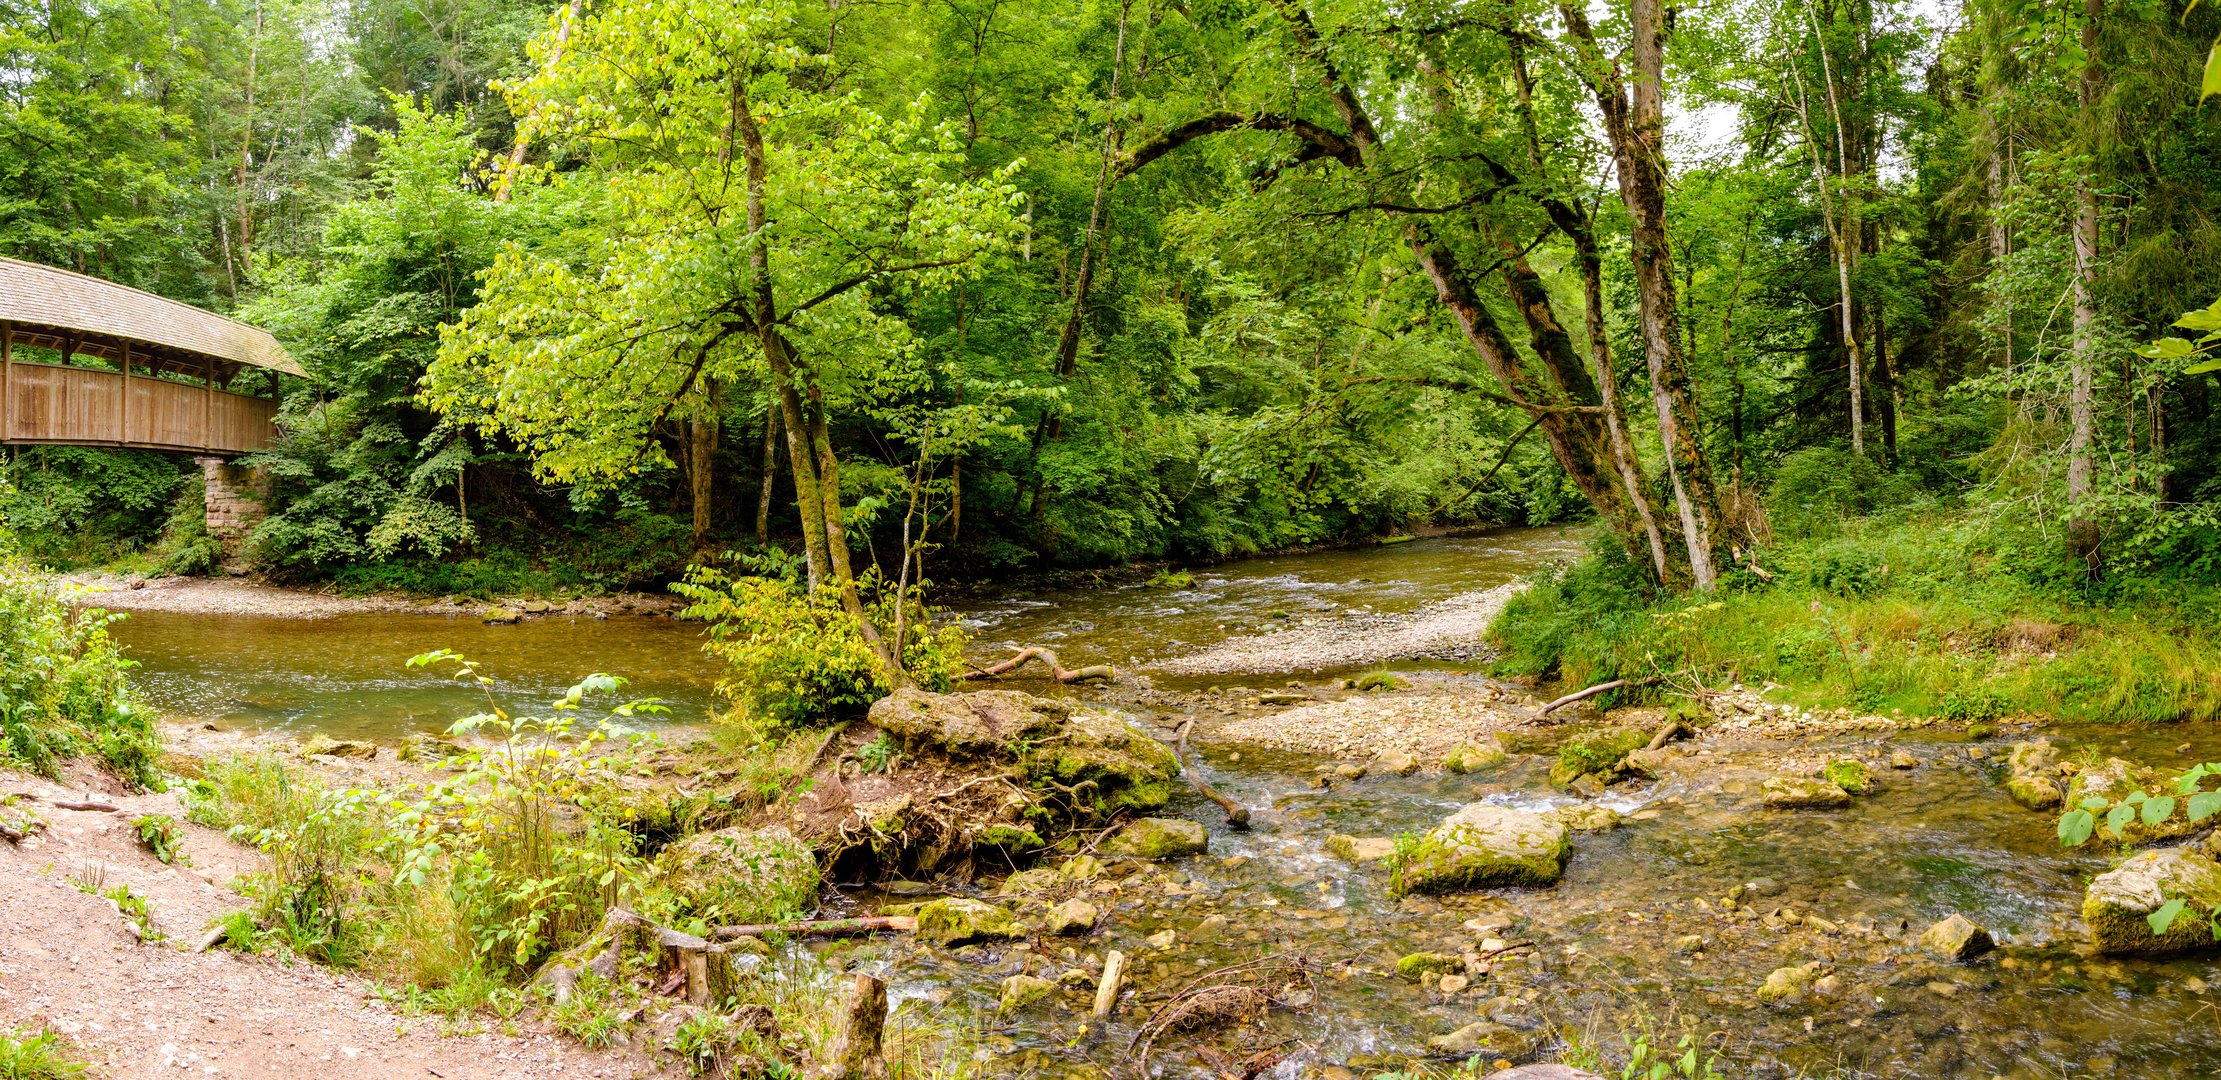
(233, 500)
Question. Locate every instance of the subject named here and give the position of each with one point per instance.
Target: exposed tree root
(1237, 815)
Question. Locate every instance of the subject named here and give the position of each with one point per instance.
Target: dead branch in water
(1233, 992)
(817, 927)
(1048, 658)
(1582, 695)
(1237, 815)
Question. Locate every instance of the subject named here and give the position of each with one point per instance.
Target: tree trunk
(1843, 236)
(1636, 130)
(770, 474)
(2082, 529)
(701, 467)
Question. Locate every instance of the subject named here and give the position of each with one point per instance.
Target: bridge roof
(58, 309)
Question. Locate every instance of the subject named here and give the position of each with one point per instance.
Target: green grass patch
(1931, 612)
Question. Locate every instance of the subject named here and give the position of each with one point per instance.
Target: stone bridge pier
(234, 499)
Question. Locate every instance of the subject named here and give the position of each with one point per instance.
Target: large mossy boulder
(741, 875)
(983, 723)
(2115, 779)
(1157, 838)
(2120, 902)
(1483, 845)
(958, 921)
(1085, 753)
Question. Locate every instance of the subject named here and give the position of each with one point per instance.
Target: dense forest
(583, 291)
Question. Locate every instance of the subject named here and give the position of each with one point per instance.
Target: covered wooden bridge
(171, 379)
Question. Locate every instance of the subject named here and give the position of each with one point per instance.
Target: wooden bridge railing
(57, 404)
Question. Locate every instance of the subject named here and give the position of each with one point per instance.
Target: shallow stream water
(1932, 840)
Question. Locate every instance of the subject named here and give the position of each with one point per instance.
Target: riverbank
(232, 596)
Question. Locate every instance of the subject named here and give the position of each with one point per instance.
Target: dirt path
(1446, 629)
(69, 962)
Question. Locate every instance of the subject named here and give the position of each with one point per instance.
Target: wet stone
(1955, 938)
(1802, 793)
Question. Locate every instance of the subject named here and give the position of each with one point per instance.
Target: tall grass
(1928, 610)
(62, 691)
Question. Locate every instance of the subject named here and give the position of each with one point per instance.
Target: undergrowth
(1927, 610)
(36, 1055)
(62, 690)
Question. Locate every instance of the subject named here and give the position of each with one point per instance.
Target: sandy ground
(225, 596)
(1446, 629)
(1436, 714)
(69, 963)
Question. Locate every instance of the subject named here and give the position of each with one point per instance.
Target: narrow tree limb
(817, 927)
(1048, 658)
(1237, 815)
(1582, 695)
(213, 938)
(88, 805)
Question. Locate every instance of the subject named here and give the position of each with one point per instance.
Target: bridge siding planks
(50, 403)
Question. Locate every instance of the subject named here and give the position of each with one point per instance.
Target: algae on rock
(1157, 838)
(1483, 844)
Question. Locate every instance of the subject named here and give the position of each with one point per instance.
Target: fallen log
(1583, 695)
(818, 927)
(1237, 815)
(1048, 658)
(60, 804)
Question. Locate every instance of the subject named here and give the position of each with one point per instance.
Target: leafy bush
(1574, 622)
(62, 691)
(795, 658)
(1846, 569)
(158, 834)
(1815, 490)
(1974, 705)
(77, 505)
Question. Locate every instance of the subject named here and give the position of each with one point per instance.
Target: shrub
(1846, 569)
(795, 658)
(62, 691)
(1816, 489)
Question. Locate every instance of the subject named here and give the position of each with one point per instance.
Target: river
(1610, 959)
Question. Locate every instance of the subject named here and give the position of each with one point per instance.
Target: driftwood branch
(1583, 695)
(817, 927)
(1237, 815)
(1048, 658)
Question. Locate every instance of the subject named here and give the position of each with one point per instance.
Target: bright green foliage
(158, 834)
(795, 659)
(73, 505)
(1851, 776)
(36, 1055)
(62, 692)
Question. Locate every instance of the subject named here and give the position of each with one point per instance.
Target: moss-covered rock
(1955, 938)
(980, 723)
(1475, 757)
(1020, 991)
(1011, 839)
(1483, 845)
(1852, 776)
(1081, 868)
(1415, 966)
(1599, 755)
(741, 875)
(1585, 817)
(1157, 838)
(326, 746)
(1788, 985)
(2115, 779)
(1074, 916)
(2032, 774)
(1123, 769)
(1027, 882)
(958, 921)
(1802, 793)
(2119, 902)
(1360, 849)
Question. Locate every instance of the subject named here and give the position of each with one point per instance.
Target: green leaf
(2094, 804)
(2135, 798)
(2211, 85)
(2202, 368)
(2165, 916)
(2075, 827)
(2204, 805)
(2205, 318)
(2118, 818)
(2159, 809)
(2167, 348)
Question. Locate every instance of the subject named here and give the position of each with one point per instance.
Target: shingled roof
(60, 310)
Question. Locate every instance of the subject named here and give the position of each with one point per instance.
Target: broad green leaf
(2159, 809)
(2204, 805)
(2168, 348)
(2094, 804)
(2211, 85)
(2075, 827)
(2165, 916)
(2203, 367)
(2118, 818)
(2205, 318)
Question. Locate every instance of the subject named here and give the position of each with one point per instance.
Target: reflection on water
(349, 677)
